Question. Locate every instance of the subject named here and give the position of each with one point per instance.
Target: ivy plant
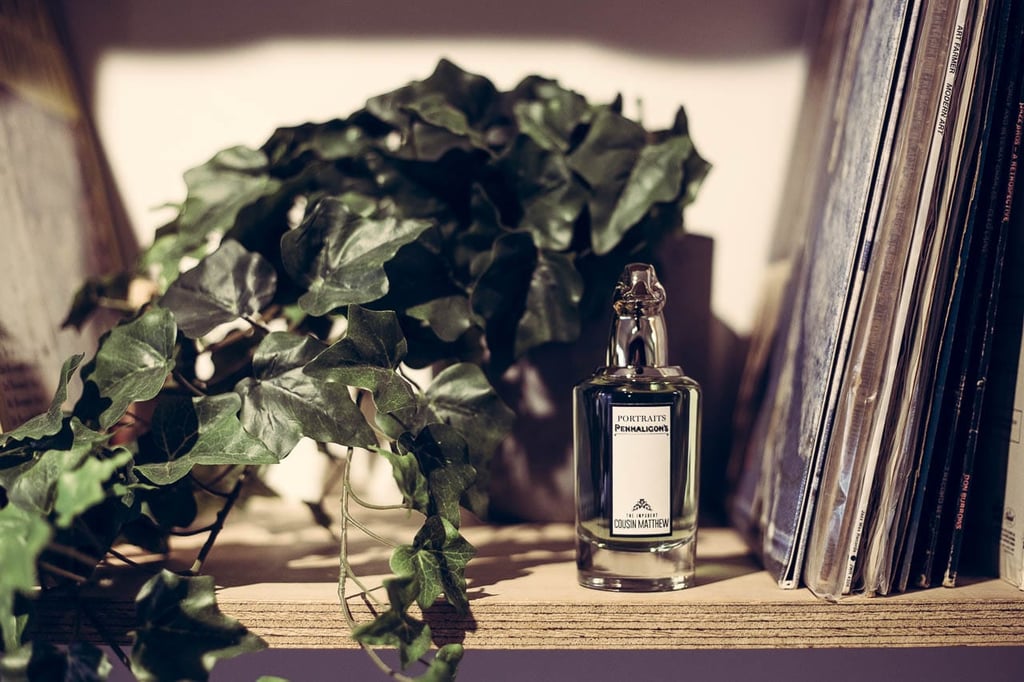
(447, 224)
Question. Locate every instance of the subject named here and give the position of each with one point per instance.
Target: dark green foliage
(181, 633)
(447, 225)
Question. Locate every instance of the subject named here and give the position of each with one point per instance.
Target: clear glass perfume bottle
(636, 451)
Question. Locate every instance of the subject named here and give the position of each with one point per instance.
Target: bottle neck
(638, 341)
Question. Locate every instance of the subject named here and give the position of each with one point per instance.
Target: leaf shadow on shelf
(507, 560)
(517, 551)
(447, 626)
(302, 561)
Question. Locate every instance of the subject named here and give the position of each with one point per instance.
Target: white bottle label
(641, 470)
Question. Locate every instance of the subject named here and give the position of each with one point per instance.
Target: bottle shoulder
(669, 377)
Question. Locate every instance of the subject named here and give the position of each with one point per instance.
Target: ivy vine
(447, 225)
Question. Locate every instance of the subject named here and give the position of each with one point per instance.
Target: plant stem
(343, 568)
(232, 338)
(346, 575)
(136, 419)
(376, 507)
(368, 505)
(258, 324)
(367, 593)
(402, 373)
(361, 526)
(180, 378)
(207, 486)
(99, 628)
(56, 570)
(218, 524)
(195, 531)
(131, 562)
(77, 555)
(385, 668)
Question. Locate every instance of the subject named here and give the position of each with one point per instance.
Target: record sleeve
(867, 389)
(777, 490)
(997, 313)
(949, 447)
(961, 168)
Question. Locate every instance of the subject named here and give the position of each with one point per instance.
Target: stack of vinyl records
(878, 395)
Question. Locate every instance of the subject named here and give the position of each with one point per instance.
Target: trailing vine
(446, 225)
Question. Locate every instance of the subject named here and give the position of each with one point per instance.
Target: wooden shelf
(278, 575)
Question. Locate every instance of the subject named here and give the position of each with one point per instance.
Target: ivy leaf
(182, 633)
(372, 338)
(339, 254)
(477, 240)
(548, 193)
(446, 111)
(421, 272)
(167, 506)
(200, 430)
(499, 295)
(605, 159)
(549, 113)
(433, 108)
(444, 665)
(471, 95)
(33, 485)
(131, 364)
(528, 296)
(656, 177)
(50, 422)
(85, 486)
(461, 396)
(283, 403)
(444, 461)
(437, 559)
(409, 478)
(219, 188)
(291, 147)
(449, 316)
(367, 357)
(78, 662)
(216, 192)
(25, 534)
(395, 627)
(552, 303)
(437, 128)
(94, 291)
(696, 167)
(230, 283)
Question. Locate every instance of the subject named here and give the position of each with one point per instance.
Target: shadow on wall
(23, 392)
(695, 29)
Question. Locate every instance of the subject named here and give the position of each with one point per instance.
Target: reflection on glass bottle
(636, 452)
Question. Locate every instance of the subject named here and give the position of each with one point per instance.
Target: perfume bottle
(636, 446)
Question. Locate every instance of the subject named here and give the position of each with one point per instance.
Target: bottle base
(622, 567)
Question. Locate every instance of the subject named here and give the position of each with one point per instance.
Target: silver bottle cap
(638, 292)
(638, 331)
